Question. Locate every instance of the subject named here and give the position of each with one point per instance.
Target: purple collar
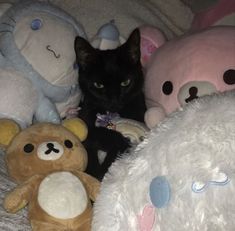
(106, 120)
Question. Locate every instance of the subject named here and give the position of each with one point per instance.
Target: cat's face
(110, 78)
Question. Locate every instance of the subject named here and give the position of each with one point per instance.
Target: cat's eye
(125, 83)
(36, 24)
(98, 85)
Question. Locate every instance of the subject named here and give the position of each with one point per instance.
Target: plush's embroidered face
(37, 38)
(189, 67)
(46, 41)
(44, 148)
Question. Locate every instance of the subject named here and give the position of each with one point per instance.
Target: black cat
(111, 82)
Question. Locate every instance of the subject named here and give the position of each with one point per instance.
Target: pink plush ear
(151, 39)
(222, 13)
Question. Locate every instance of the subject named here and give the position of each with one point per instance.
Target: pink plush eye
(167, 88)
(229, 77)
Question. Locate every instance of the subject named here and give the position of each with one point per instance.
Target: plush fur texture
(111, 81)
(194, 144)
(18, 221)
(48, 162)
(31, 40)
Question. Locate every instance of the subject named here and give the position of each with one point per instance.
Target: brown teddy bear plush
(47, 161)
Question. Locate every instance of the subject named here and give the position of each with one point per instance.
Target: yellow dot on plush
(77, 126)
(8, 129)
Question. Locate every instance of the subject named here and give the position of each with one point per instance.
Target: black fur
(111, 81)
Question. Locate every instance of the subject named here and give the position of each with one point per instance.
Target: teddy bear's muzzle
(50, 150)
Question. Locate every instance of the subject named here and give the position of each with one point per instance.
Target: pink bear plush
(185, 68)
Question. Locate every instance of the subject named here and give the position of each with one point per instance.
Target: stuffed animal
(151, 39)
(180, 178)
(186, 68)
(18, 96)
(8, 129)
(37, 38)
(47, 161)
(134, 130)
(107, 37)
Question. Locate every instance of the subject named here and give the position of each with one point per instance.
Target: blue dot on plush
(36, 24)
(75, 66)
(160, 191)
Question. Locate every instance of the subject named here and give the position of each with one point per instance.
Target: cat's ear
(133, 46)
(85, 53)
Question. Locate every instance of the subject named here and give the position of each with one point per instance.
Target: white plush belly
(62, 195)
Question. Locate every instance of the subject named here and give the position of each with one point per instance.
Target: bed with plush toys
(180, 177)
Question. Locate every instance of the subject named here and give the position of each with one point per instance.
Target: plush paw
(13, 203)
(153, 116)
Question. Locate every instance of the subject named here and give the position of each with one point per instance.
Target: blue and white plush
(180, 178)
(107, 37)
(38, 39)
(18, 96)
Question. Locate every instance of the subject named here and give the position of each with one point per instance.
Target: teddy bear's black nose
(51, 149)
(193, 94)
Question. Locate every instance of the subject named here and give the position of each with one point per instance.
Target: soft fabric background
(173, 17)
(9, 222)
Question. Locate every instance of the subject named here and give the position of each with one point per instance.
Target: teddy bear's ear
(151, 39)
(8, 130)
(76, 126)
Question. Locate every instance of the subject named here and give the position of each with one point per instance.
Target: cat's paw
(123, 144)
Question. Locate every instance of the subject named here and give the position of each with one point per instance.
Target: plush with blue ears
(37, 39)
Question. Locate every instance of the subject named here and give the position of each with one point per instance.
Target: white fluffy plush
(194, 146)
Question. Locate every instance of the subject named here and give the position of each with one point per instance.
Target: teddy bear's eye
(68, 143)
(167, 88)
(28, 148)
